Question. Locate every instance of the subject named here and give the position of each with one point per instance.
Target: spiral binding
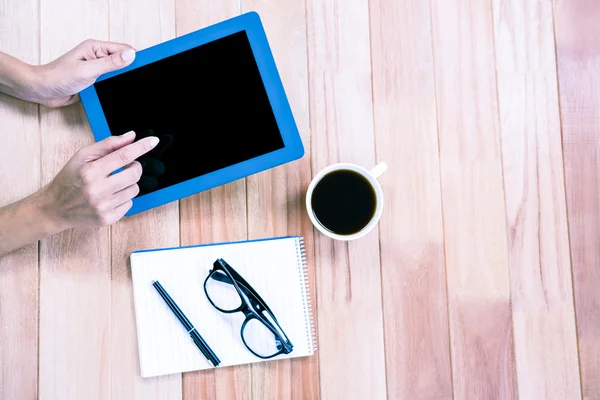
(311, 333)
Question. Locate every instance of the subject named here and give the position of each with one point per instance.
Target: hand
(56, 84)
(86, 193)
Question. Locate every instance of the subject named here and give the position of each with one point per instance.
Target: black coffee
(344, 202)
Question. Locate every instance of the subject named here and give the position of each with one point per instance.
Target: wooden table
(483, 279)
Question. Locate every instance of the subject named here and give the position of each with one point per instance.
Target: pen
(194, 334)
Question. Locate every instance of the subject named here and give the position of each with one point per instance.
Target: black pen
(192, 331)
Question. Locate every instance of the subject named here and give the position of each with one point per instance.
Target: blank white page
(273, 268)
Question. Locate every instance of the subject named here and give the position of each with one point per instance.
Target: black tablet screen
(208, 106)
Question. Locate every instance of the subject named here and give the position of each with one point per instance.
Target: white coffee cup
(371, 176)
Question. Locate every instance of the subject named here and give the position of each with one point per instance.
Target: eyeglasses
(229, 293)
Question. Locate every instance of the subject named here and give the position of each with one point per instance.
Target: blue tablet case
(292, 149)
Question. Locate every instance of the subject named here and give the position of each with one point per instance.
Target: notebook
(276, 269)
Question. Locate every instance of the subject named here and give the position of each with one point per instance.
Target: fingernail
(128, 134)
(153, 141)
(128, 55)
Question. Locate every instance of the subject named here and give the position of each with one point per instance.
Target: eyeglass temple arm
(245, 286)
(241, 282)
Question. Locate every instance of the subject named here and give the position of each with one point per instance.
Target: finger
(103, 147)
(123, 196)
(103, 49)
(112, 62)
(126, 155)
(117, 213)
(121, 210)
(91, 48)
(130, 175)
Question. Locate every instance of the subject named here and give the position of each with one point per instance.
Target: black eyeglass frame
(252, 305)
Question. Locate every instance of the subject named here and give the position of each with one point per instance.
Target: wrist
(17, 78)
(45, 210)
(27, 221)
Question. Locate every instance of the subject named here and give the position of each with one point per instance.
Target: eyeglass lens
(260, 339)
(257, 336)
(221, 291)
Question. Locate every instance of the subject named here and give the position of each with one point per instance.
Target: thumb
(104, 147)
(110, 63)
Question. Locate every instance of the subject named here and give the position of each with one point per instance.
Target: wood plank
(415, 305)
(74, 344)
(542, 292)
(141, 25)
(276, 197)
(351, 350)
(578, 55)
(473, 201)
(218, 215)
(19, 177)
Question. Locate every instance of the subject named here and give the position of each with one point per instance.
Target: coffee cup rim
(378, 194)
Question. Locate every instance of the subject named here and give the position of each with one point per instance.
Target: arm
(57, 83)
(85, 193)
(16, 77)
(25, 222)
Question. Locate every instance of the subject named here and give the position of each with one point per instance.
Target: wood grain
(542, 292)
(218, 215)
(19, 177)
(464, 292)
(74, 265)
(351, 350)
(276, 197)
(411, 231)
(140, 25)
(481, 330)
(578, 54)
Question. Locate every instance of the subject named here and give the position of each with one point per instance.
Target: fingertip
(128, 56)
(127, 207)
(121, 210)
(128, 135)
(135, 165)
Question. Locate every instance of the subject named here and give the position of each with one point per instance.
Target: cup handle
(379, 170)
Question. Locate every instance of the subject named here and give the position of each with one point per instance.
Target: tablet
(215, 100)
